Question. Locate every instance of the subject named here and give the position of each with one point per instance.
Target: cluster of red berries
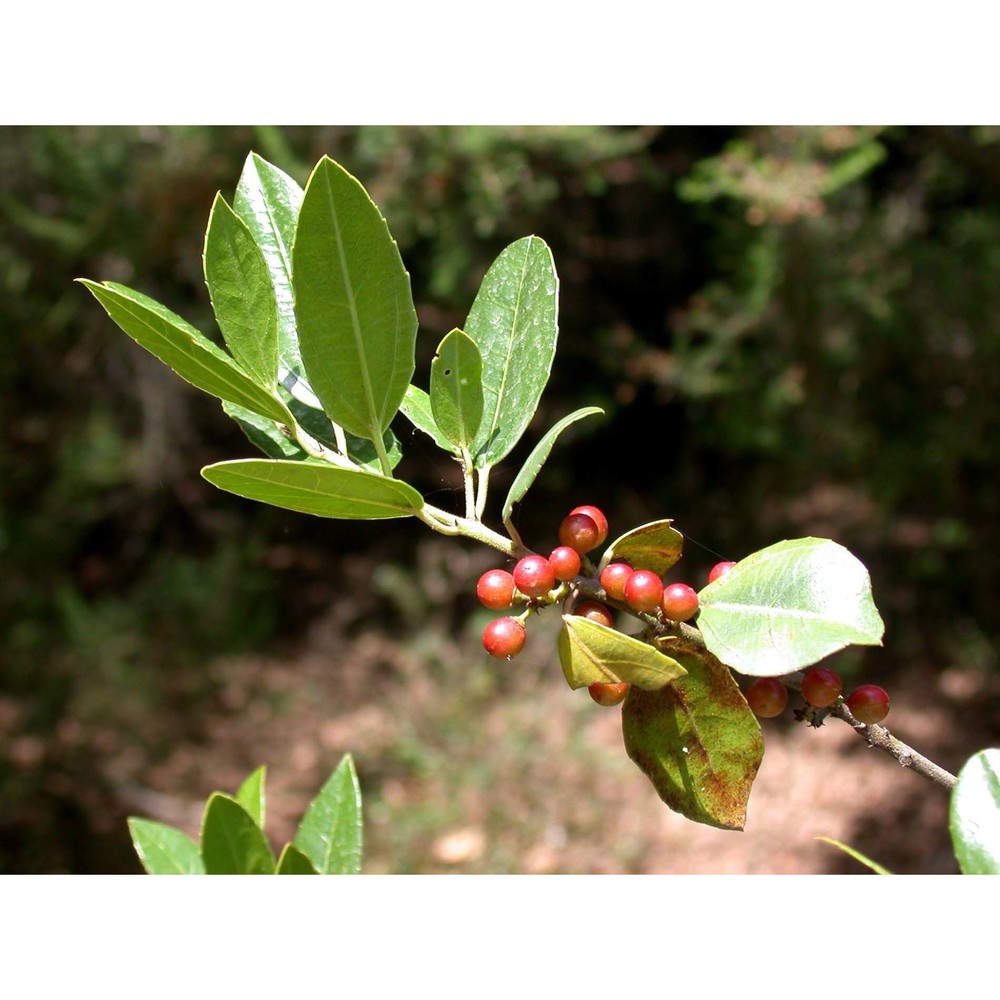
(821, 687)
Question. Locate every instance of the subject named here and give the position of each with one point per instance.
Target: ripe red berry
(608, 694)
(644, 590)
(496, 589)
(868, 704)
(579, 532)
(821, 687)
(596, 612)
(565, 562)
(614, 576)
(767, 697)
(534, 576)
(680, 602)
(504, 638)
(597, 515)
(718, 569)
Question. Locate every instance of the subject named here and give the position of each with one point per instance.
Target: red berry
(565, 562)
(596, 612)
(680, 602)
(534, 576)
(868, 703)
(496, 589)
(504, 638)
(767, 697)
(644, 590)
(608, 694)
(614, 576)
(597, 515)
(821, 687)
(718, 569)
(579, 532)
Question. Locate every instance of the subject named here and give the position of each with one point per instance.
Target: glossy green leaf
(457, 388)
(231, 842)
(239, 285)
(268, 201)
(294, 862)
(787, 606)
(974, 815)
(315, 488)
(416, 407)
(187, 351)
(539, 454)
(251, 796)
(514, 322)
(356, 322)
(264, 433)
(592, 653)
(654, 546)
(164, 850)
(696, 740)
(330, 833)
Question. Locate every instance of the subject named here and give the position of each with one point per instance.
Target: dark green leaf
(416, 408)
(514, 322)
(696, 740)
(654, 546)
(189, 353)
(356, 321)
(164, 850)
(593, 653)
(316, 488)
(330, 833)
(239, 285)
(534, 462)
(974, 815)
(251, 796)
(457, 388)
(787, 606)
(231, 842)
(294, 862)
(264, 433)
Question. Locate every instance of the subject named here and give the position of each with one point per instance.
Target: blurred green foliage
(793, 330)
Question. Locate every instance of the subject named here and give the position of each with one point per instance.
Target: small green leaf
(416, 408)
(654, 546)
(353, 307)
(592, 653)
(857, 855)
(696, 740)
(294, 862)
(457, 388)
(788, 606)
(231, 842)
(189, 353)
(164, 850)
(251, 796)
(514, 322)
(330, 833)
(263, 433)
(974, 815)
(316, 488)
(534, 462)
(239, 285)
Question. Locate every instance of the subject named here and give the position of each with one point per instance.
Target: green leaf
(974, 815)
(514, 322)
(231, 842)
(330, 833)
(239, 285)
(857, 855)
(696, 740)
(268, 201)
(654, 546)
(539, 454)
(251, 796)
(164, 850)
(356, 321)
(316, 488)
(264, 433)
(457, 388)
(294, 862)
(189, 353)
(592, 653)
(416, 408)
(787, 606)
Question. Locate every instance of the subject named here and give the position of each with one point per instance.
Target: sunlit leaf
(974, 815)
(294, 862)
(231, 842)
(416, 407)
(457, 388)
(655, 546)
(330, 833)
(164, 850)
(251, 795)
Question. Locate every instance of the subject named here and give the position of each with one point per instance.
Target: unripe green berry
(614, 576)
(565, 562)
(495, 589)
(608, 694)
(868, 704)
(680, 602)
(534, 576)
(767, 697)
(821, 687)
(644, 591)
(504, 638)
